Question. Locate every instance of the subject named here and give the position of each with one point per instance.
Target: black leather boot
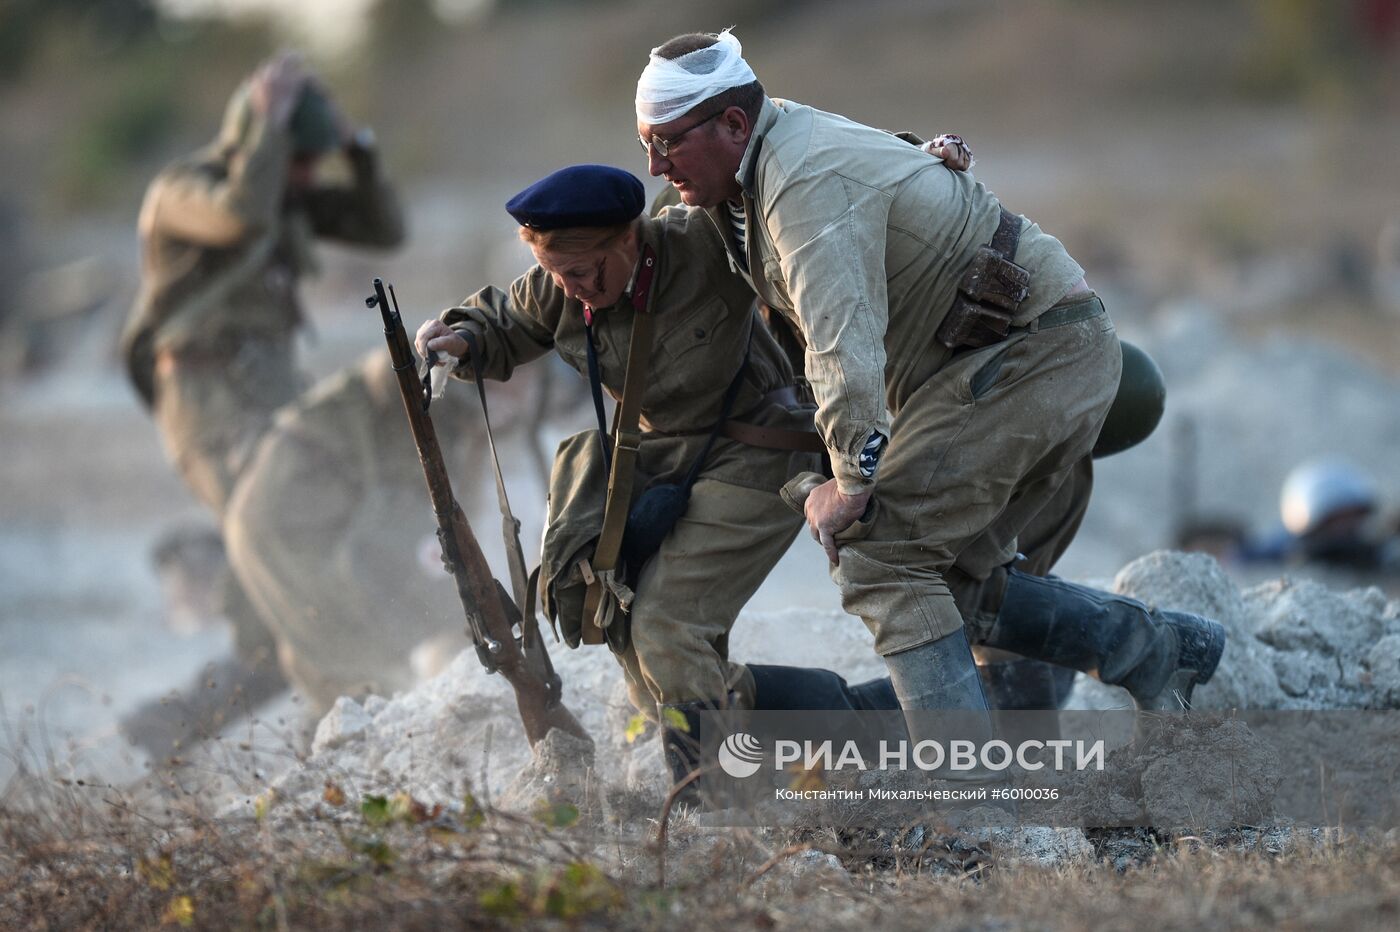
(1157, 656)
(1026, 685)
(779, 688)
(1026, 696)
(683, 746)
(1014, 685)
(812, 689)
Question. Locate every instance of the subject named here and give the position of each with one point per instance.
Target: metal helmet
(313, 124)
(1138, 406)
(1323, 488)
(314, 128)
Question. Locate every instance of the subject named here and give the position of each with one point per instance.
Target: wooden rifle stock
(489, 620)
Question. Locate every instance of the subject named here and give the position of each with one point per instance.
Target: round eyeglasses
(663, 147)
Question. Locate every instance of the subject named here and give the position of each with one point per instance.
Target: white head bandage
(670, 88)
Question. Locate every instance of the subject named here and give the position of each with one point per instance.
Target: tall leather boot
(1026, 696)
(683, 747)
(938, 675)
(1015, 685)
(941, 676)
(1157, 656)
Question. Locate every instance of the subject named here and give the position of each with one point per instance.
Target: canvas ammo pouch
(577, 493)
(577, 501)
(989, 293)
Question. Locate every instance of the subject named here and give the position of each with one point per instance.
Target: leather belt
(1081, 308)
(774, 438)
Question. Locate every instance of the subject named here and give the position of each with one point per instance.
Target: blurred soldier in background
(1331, 512)
(1331, 517)
(325, 531)
(226, 234)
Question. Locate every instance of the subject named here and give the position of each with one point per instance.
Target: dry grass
(1349, 886)
(79, 857)
(82, 861)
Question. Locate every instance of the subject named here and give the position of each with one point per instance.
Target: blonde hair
(570, 240)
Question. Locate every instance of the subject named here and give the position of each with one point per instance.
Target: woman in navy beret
(716, 374)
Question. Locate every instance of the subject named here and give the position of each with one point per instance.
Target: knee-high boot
(1158, 656)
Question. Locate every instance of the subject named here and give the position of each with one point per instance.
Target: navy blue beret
(579, 196)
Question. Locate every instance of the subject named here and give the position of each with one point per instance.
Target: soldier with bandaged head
(962, 370)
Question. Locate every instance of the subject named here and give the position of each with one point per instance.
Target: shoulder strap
(628, 440)
(1008, 235)
(595, 385)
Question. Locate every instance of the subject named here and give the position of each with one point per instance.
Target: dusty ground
(1224, 232)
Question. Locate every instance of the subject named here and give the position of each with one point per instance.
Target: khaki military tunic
(860, 241)
(327, 528)
(209, 341)
(736, 527)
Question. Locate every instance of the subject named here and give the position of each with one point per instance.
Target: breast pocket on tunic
(694, 328)
(690, 354)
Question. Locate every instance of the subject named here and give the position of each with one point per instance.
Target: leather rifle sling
(628, 437)
(510, 524)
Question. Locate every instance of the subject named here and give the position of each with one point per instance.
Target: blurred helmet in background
(314, 127)
(1326, 494)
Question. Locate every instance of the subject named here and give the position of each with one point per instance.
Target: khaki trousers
(690, 593)
(212, 410)
(975, 455)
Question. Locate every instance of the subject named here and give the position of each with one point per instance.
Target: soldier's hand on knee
(829, 512)
(436, 336)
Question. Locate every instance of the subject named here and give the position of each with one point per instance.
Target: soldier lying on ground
(1330, 516)
(326, 533)
(326, 530)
